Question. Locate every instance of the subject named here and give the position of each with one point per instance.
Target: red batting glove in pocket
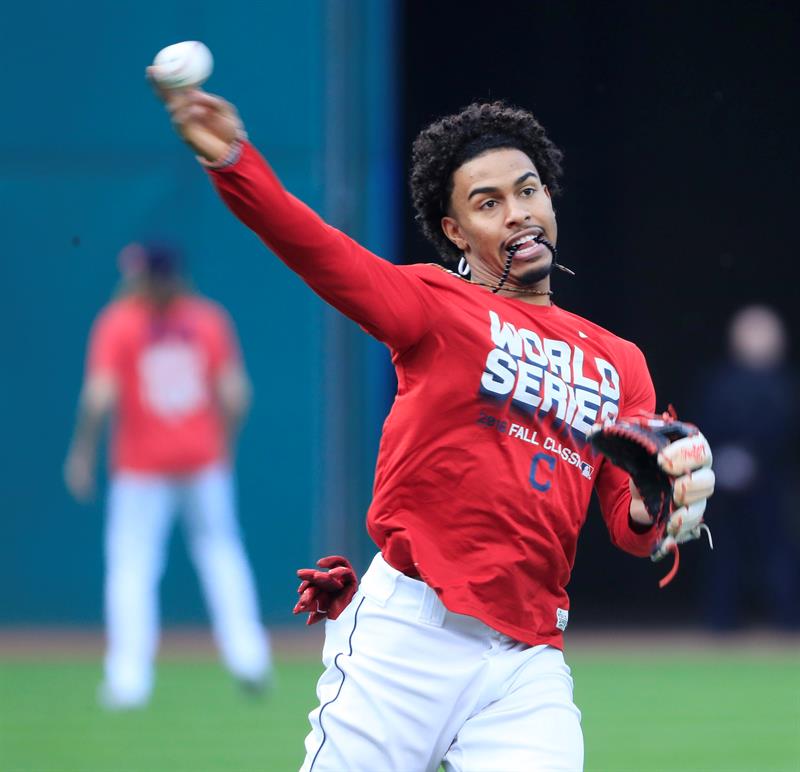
(325, 594)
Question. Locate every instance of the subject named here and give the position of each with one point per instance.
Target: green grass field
(682, 713)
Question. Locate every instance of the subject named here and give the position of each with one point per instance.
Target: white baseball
(183, 65)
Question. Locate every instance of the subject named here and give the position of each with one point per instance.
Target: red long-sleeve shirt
(484, 474)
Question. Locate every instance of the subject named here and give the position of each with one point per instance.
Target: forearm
(234, 395)
(256, 196)
(79, 466)
(629, 526)
(637, 511)
(234, 411)
(232, 423)
(88, 429)
(97, 400)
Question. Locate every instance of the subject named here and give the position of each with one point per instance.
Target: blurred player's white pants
(409, 685)
(141, 511)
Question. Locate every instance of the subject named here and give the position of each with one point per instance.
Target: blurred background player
(748, 408)
(164, 363)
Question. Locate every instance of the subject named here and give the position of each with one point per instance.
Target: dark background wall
(679, 125)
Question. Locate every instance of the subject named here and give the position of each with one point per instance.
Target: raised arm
(390, 302)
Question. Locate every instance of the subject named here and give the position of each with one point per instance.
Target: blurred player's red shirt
(165, 365)
(484, 474)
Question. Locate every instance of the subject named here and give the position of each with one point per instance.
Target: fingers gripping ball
(182, 65)
(325, 594)
(669, 462)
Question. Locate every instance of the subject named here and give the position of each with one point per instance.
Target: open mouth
(528, 244)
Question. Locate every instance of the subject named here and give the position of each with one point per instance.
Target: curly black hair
(455, 139)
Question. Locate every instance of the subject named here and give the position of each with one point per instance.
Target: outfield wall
(90, 164)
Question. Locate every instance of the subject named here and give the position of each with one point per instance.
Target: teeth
(524, 240)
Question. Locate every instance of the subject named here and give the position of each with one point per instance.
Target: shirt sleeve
(612, 484)
(391, 304)
(106, 342)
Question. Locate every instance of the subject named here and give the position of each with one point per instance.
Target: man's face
(498, 199)
(160, 290)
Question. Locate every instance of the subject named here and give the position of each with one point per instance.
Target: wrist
(227, 157)
(638, 526)
(638, 512)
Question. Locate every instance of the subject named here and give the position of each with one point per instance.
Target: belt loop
(431, 609)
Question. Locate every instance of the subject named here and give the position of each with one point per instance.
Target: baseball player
(451, 649)
(165, 364)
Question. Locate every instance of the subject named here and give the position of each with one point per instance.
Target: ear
(550, 196)
(453, 232)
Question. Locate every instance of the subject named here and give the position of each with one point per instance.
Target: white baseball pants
(409, 685)
(141, 511)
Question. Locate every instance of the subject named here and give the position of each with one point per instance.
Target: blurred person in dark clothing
(749, 412)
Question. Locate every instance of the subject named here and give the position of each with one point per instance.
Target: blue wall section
(90, 163)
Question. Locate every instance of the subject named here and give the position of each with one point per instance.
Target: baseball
(183, 65)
